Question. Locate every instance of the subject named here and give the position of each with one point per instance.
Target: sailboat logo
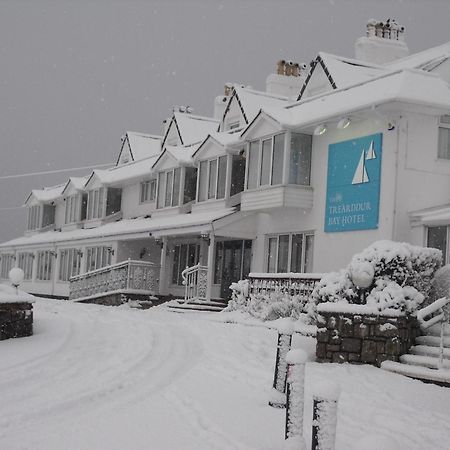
(360, 175)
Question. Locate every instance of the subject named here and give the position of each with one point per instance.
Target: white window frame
(445, 126)
(100, 254)
(289, 261)
(7, 263)
(34, 217)
(67, 257)
(147, 192)
(161, 203)
(72, 213)
(25, 262)
(208, 176)
(45, 265)
(96, 204)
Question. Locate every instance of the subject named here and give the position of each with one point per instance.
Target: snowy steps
(212, 306)
(423, 359)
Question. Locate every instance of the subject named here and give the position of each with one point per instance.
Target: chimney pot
(281, 67)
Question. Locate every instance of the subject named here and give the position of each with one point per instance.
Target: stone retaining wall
(16, 320)
(371, 339)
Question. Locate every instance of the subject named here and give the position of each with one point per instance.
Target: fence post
(325, 398)
(295, 399)
(278, 397)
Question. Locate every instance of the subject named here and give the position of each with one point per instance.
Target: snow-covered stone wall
(16, 320)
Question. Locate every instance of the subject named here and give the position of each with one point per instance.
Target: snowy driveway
(102, 378)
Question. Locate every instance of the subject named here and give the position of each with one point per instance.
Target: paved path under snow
(100, 378)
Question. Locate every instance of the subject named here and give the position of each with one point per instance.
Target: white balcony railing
(129, 276)
(195, 282)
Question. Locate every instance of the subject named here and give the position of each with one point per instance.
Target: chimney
(288, 79)
(221, 101)
(383, 43)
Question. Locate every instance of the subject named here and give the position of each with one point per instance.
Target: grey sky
(75, 75)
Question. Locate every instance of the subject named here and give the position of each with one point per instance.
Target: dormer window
(233, 125)
(71, 215)
(212, 178)
(444, 138)
(95, 204)
(34, 217)
(169, 188)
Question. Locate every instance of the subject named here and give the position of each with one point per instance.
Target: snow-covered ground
(94, 378)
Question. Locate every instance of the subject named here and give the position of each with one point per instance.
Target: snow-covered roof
(407, 86)
(125, 172)
(425, 60)
(438, 215)
(47, 194)
(77, 182)
(143, 145)
(222, 138)
(181, 153)
(122, 227)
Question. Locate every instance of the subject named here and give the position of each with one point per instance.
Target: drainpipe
(398, 124)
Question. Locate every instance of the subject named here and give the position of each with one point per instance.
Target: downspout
(398, 124)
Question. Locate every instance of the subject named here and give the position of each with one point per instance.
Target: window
(212, 182)
(237, 174)
(7, 263)
(69, 263)
(48, 215)
(190, 184)
(444, 138)
(44, 265)
(148, 191)
(113, 201)
(34, 216)
(265, 162)
(300, 161)
(437, 238)
(95, 204)
(169, 188)
(72, 209)
(233, 125)
(290, 253)
(26, 264)
(98, 257)
(184, 255)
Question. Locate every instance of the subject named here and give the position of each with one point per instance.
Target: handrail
(439, 306)
(193, 282)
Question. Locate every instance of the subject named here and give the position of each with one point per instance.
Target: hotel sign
(353, 184)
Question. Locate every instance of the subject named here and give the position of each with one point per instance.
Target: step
(427, 350)
(433, 341)
(424, 361)
(440, 377)
(435, 330)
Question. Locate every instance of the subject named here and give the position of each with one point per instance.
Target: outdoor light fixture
(391, 126)
(320, 129)
(343, 123)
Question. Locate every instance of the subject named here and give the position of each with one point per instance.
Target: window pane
(169, 177)
(144, 187)
(265, 162)
(176, 187)
(246, 264)
(161, 184)
(237, 174)
(212, 179)
(48, 217)
(152, 190)
(222, 175)
(437, 238)
(278, 159)
(176, 264)
(283, 251)
(253, 164)
(203, 181)
(444, 143)
(296, 253)
(309, 251)
(113, 201)
(272, 255)
(218, 264)
(300, 162)
(192, 255)
(190, 184)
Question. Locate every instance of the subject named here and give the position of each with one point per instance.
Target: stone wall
(16, 320)
(370, 339)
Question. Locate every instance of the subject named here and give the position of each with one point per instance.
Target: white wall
(130, 202)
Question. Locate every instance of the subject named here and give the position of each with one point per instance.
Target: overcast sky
(74, 76)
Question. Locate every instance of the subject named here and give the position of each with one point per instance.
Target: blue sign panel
(353, 184)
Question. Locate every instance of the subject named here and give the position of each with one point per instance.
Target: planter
(16, 319)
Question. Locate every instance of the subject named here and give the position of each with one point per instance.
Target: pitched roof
(222, 138)
(77, 182)
(426, 60)
(181, 153)
(47, 194)
(143, 145)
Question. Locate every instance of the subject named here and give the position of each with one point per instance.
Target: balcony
(127, 277)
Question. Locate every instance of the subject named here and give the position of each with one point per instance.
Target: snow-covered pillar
(163, 268)
(295, 396)
(278, 397)
(325, 403)
(210, 265)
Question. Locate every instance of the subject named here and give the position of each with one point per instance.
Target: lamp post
(16, 276)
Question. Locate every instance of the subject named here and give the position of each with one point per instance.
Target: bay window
(95, 204)
(71, 215)
(212, 179)
(69, 263)
(169, 188)
(290, 252)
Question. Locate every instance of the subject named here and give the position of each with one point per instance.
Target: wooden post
(163, 269)
(210, 265)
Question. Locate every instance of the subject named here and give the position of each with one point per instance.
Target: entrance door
(232, 263)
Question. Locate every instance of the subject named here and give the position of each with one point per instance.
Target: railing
(439, 312)
(289, 283)
(195, 282)
(128, 276)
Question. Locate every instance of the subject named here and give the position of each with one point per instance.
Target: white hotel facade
(293, 179)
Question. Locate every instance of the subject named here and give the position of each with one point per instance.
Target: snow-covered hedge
(269, 305)
(385, 275)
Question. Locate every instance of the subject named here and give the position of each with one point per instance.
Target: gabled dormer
(177, 179)
(41, 204)
(185, 129)
(104, 203)
(75, 202)
(220, 162)
(244, 104)
(137, 146)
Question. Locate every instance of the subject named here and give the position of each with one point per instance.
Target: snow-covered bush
(441, 283)
(385, 275)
